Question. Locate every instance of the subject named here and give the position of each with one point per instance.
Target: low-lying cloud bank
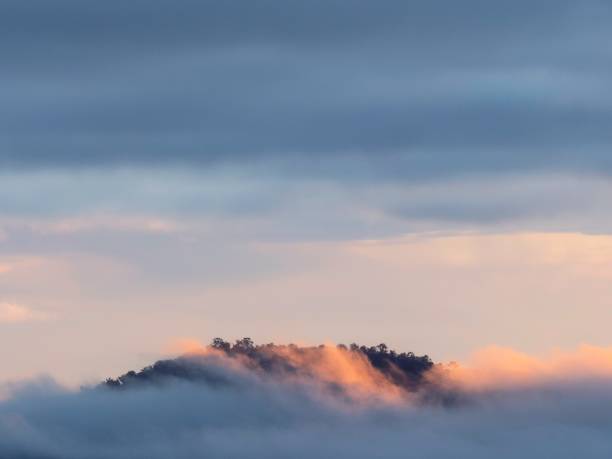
(322, 402)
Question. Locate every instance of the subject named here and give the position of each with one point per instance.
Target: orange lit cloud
(504, 368)
(588, 253)
(349, 370)
(490, 369)
(316, 367)
(12, 313)
(183, 346)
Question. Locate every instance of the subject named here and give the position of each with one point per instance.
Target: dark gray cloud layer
(409, 88)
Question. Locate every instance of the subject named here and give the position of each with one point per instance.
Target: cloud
(494, 368)
(256, 418)
(271, 205)
(585, 255)
(403, 89)
(14, 313)
(100, 222)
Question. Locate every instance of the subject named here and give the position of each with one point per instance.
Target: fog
(545, 410)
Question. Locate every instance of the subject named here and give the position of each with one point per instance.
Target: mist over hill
(340, 369)
(243, 400)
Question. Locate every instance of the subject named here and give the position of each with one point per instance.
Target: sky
(435, 175)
